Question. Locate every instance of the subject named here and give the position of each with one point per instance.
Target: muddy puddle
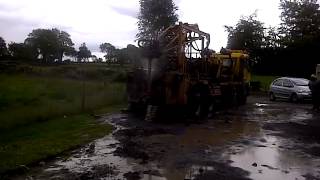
(271, 160)
(233, 145)
(97, 161)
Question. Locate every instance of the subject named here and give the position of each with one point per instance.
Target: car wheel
(294, 98)
(272, 97)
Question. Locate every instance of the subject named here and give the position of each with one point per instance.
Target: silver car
(293, 89)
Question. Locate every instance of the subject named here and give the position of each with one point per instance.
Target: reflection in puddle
(218, 133)
(271, 162)
(186, 154)
(301, 115)
(261, 105)
(206, 140)
(84, 162)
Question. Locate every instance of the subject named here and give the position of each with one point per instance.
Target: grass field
(25, 99)
(25, 145)
(47, 110)
(265, 81)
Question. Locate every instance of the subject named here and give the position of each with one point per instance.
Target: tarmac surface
(262, 140)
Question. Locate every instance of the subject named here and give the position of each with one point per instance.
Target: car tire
(272, 97)
(294, 98)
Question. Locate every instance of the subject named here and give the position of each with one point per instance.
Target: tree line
(55, 46)
(290, 48)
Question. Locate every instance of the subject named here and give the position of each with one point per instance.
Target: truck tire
(242, 96)
(244, 93)
(198, 101)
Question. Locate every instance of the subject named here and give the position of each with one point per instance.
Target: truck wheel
(199, 109)
(198, 102)
(243, 100)
(242, 96)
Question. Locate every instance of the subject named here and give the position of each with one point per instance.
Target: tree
(3, 48)
(65, 44)
(122, 56)
(155, 16)
(134, 55)
(21, 52)
(45, 41)
(84, 53)
(272, 38)
(300, 21)
(248, 34)
(94, 58)
(51, 44)
(300, 36)
(110, 51)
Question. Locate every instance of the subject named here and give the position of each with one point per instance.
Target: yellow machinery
(183, 72)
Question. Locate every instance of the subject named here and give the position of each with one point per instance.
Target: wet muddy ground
(261, 140)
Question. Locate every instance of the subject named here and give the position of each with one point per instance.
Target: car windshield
(301, 82)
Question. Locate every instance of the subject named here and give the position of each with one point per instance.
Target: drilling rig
(183, 75)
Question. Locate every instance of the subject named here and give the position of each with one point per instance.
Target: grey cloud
(17, 21)
(94, 47)
(8, 8)
(16, 29)
(125, 11)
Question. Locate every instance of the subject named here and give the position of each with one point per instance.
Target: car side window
(287, 83)
(278, 82)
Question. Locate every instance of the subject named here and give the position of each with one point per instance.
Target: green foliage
(155, 16)
(264, 80)
(247, 34)
(134, 55)
(21, 52)
(300, 21)
(272, 38)
(41, 109)
(25, 99)
(45, 41)
(35, 142)
(51, 44)
(65, 44)
(110, 51)
(131, 54)
(84, 53)
(3, 48)
(293, 44)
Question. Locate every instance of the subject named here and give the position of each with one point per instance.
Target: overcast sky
(114, 21)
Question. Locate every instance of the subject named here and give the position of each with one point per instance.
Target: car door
(276, 87)
(288, 88)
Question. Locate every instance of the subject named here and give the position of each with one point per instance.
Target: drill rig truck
(183, 75)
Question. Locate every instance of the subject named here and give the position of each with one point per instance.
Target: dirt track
(262, 140)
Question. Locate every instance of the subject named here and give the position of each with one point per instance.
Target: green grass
(264, 80)
(44, 110)
(32, 143)
(100, 72)
(26, 99)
